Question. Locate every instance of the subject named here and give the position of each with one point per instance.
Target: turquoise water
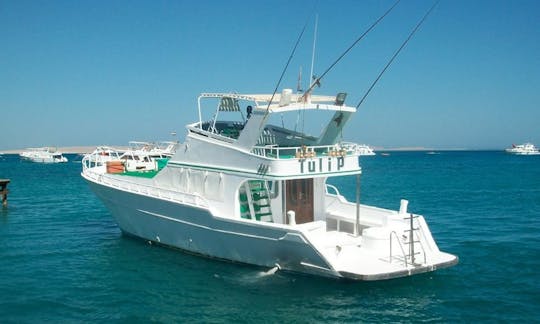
(62, 258)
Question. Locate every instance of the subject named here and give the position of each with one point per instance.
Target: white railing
(299, 152)
(336, 191)
(147, 190)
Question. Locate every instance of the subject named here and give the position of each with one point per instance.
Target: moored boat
(43, 155)
(364, 150)
(523, 149)
(247, 187)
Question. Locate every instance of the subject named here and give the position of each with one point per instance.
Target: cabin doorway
(300, 199)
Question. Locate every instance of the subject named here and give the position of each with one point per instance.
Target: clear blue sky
(106, 72)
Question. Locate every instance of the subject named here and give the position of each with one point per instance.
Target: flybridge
(245, 120)
(281, 101)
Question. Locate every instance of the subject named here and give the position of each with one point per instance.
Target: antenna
(313, 51)
(299, 85)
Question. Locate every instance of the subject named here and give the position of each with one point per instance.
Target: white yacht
(43, 155)
(364, 150)
(523, 149)
(158, 150)
(251, 188)
(101, 155)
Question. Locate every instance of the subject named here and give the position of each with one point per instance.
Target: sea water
(63, 259)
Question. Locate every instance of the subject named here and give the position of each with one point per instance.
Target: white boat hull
(197, 231)
(46, 160)
(241, 191)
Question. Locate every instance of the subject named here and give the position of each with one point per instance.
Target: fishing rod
(397, 52)
(285, 69)
(318, 79)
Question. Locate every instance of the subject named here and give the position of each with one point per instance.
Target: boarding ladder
(410, 244)
(255, 201)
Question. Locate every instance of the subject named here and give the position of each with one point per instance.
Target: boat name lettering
(319, 165)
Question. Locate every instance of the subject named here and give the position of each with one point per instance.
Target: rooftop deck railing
(304, 151)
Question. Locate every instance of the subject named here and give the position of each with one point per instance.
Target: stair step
(244, 208)
(257, 197)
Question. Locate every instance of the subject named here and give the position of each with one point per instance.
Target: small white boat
(138, 161)
(364, 150)
(43, 155)
(523, 149)
(100, 156)
(251, 188)
(163, 149)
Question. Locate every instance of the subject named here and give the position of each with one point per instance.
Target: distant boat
(364, 150)
(164, 149)
(43, 155)
(523, 149)
(101, 155)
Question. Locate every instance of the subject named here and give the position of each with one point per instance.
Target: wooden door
(300, 199)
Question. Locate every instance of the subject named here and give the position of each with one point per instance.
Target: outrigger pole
(397, 52)
(284, 70)
(357, 225)
(318, 79)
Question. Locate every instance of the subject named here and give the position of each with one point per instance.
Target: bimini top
(280, 102)
(279, 120)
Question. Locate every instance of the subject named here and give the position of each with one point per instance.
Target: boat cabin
(291, 142)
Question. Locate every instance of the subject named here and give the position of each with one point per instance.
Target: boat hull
(196, 230)
(44, 160)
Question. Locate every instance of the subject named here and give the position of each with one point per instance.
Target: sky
(82, 73)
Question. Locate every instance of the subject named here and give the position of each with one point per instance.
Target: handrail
(420, 229)
(161, 193)
(333, 188)
(288, 152)
(401, 247)
(422, 246)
